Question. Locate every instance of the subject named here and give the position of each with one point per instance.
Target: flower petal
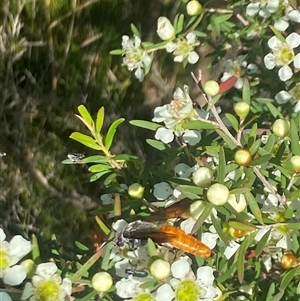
(5, 296)
(165, 293)
(293, 40)
(285, 73)
(205, 274)
(180, 268)
(282, 97)
(14, 275)
(165, 135)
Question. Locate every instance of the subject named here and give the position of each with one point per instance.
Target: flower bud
(193, 8)
(136, 191)
(289, 261)
(165, 29)
(218, 194)
(295, 160)
(240, 204)
(281, 128)
(242, 109)
(211, 88)
(160, 269)
(197, 208)
(202, 177)
(243, 157)
(102, 282)
(29, 267)
(237, 233)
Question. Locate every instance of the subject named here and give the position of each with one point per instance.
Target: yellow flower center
(188, 290)
(143, 297)
(4, 259)
(284, 55)
(48, 290)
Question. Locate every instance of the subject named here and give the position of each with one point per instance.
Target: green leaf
(233, 121)
(271, 291)
(179, 24)
(86, 115)
(254, 207)
(85, 140)
(81, 246)
(100, 120)
(262, 243)
(191, 192)
(157, 144)
(89, 296)
(117, 52)
(227, 140)
(260, 160)
(111, 132)
(295, 226)
(246, 91)
(241, 226)
(36, 255)
(218, 229)
(240, 255)
(270, 143)
(273, 110)
(294, 137)
(288, 276)
(145, 124)
(254, 147)
(86, 266)
(223, 18)
(95, 159)
(222, 166)
(199, 125)
(98, 175)
(134, 30)
(278, 296)
(99, 167)
(204, 215)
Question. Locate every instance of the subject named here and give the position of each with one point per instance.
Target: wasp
(139, 231)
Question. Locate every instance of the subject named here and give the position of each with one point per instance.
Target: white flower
(10, 253)
(283, 55)
(183, 49)
(47, 285)
(135, 57)
(165, 29)
(263, 7)
(185, 285)
(174, 115)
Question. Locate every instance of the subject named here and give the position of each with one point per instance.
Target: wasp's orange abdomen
(186, 242)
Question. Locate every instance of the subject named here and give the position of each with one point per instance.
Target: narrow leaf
(199, 125)
(219, 230)
(86, 115)
(111, 132)
(233, 121)
(36, 255)
(100, 120)
(145, 124)
(222, 166)
(99, 167)
(246, 91)
(262, 243)
(85, 140)
(260, 160)
(227, 140)
(254, 207)
(157, 144)
(294, 138)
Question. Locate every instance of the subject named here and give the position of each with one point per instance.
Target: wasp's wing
(179, 209)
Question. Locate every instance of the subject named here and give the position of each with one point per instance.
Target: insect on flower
(139, 231)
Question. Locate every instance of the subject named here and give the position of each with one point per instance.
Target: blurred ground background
(54, 56)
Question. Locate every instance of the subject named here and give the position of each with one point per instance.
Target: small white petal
(165, 293)
(162, 190)
(264, 13)
(139, 74)
(193, 57)
(294, 15)
(191, 38)
(171, 47)
(19, 247)
(165, 135)
(192, 137)
(297, 61)
(230, 251)
(2, 235)
(293, 40)
(285, 73)
(269, 61)
(178, 58)
(46, 270)
(272, 6)
(180, 268)
(127, 288)
(205, 274)
(5, 296)
(282, 97)
(281, 25)
(297, 109)
(274, 43)
(210, 239)
(14, 275)
(252, 9)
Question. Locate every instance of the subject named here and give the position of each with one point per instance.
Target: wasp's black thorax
(134, 234)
